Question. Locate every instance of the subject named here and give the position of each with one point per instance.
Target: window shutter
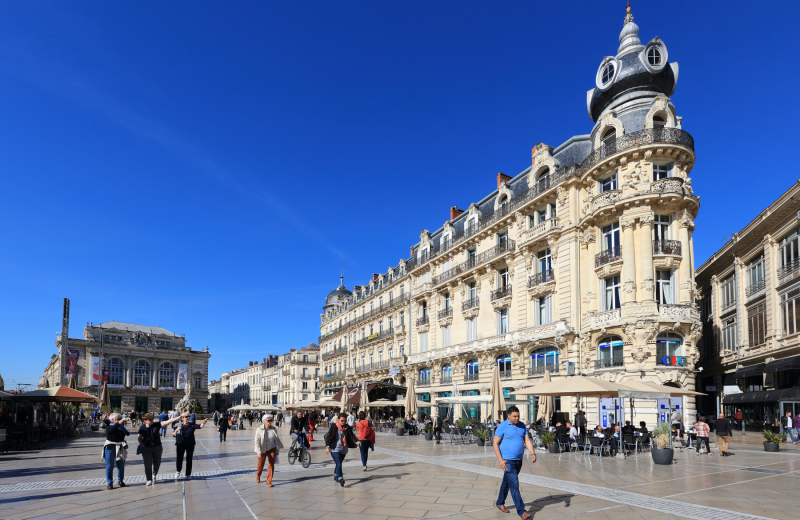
(547, 308)
(672, 284)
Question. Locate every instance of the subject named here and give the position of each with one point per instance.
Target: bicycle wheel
(292, 456)
(305, 458)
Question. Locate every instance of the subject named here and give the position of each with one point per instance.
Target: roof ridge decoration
(628, 15)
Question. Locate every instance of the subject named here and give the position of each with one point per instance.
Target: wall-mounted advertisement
(183, 375)
(72, 361)
(95, 379)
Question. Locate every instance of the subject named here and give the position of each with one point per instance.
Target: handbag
(179, 437)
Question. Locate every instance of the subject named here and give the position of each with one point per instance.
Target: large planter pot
(663, 456)
(481, 442)
(428, 436)
(401, 432)
(95, 427)
(772, 446)
(553, 448)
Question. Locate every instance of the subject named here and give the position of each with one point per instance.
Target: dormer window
(658, 122)
(654, 56)
(608, 73)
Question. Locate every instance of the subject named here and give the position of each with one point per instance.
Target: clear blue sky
(204, 165)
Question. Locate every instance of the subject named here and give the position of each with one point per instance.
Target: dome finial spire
(629, 37)
(628, 14)
(341, 275)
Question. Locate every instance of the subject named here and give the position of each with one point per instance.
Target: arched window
(658, 122)
(609, 352)
(544, 359)
(425, 375)
(141, 373)
(117, 372)
(504, 362)
(166, 376)
(543, 180)
(654, 56)
(472, 370)
(669, 345)
(609, 140)
(447, 373)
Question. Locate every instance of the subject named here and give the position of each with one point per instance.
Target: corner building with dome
(580, 264)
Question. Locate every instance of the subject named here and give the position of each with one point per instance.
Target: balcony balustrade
(386, 333)
(540, 229)
(486, 256)
(368, 315)
(423, 382)
(616, 362)
(505, 374)
(471, 377)
(789, 268)
(539, 371)
(447, 379)
(501, 293)
(667, 185)
(445, 313)
(667, 247)
(755, 287)
(470, 304)
(335, 352)
(609, 255)
(335, 375)
(540, 278)
(422, 321)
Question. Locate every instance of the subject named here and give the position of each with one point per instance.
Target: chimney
(292, 349)
(501, 178)
(265, 360)
(412, 252)
(374, 277)
(251, 363)
(454, 212)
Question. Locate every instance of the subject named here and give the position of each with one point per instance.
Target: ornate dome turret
(337, 295)
(636, 71)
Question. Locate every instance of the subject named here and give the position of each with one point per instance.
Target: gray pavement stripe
(183, 493)
(694, 511)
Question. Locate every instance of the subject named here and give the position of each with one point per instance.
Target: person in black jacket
(722, 427)
(338, 440)
(115, 442)
(222, 426)
(298, 426)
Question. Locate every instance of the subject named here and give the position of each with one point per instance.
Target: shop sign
(141, 387)
(674, 361)
(166, 388)
(372, 336)
(116, 386)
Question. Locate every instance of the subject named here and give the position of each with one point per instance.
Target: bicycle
(298, 450)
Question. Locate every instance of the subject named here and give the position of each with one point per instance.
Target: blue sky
(204, 165)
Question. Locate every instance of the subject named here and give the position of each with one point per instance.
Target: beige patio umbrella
(575, 385)
(105, 399)
(498, 399)
(655, 387)
(364, 401)
(410, 401)
(344, 399)
(545, 401)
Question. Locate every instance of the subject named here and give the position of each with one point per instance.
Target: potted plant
(482, 434)
(429, 432)
(401, 426)
(772, 440)
(549, 440)
(662, 452)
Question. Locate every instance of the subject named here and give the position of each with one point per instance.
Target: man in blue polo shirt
(510, 440)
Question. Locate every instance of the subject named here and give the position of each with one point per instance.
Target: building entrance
(141, 405)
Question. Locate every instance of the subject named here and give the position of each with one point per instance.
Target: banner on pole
(95, 371)
(72, 361)
(183, 374)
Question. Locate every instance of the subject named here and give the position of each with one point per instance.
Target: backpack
(369, 433)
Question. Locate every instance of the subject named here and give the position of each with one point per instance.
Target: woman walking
(185, 444)
(224, 424)
(337, 441)
(702, 435)
(267, 447)
(150, 442)
(366, 437)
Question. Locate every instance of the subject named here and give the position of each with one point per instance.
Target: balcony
(470, 304)
(540, 278)
(634, 140)
(601, 364)
(422, 321)
(505, 374)
(336, 375)
(755, 287)
(447, 379)
(286, 371)
(423, 382)
(540, 229)
(605, 198)
(608, 256)
(375, 336)
(373, 366)
(486, 256)
(539, 371)
(789, 269)
(667, 247)
(336, 352)
(668, 185)
(445, 313)
(501, 293)
(471, 377)
(374, 312)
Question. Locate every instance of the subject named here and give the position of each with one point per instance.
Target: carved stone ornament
(627, 223)
(630, 286)
(561, 196)
(520, 218)
(639, 355)
(696, 331)
(588, 236)
(647, 284)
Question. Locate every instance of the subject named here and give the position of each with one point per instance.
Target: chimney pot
(454, 212)
(501, 178)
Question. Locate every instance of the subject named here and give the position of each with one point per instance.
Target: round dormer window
(607, 73)
(654, 56)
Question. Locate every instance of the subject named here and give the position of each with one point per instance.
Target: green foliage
(463, 422)
(777, 438)
(429, 428)
(108, 409)
(661, 435)
(69, 409)
(482, 433)
(401, 423)
(547, 438)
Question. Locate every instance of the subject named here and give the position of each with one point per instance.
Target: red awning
(58, 394)
(354, 393)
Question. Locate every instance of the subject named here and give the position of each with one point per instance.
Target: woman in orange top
(366, 437)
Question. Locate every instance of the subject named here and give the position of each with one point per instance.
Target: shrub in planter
(549, 440)
(482, 434)
(661, 452)
(772, 440)
(463, 422)
(429, 432)
(401, 427)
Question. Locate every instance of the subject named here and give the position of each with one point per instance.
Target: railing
(423, 320)
(423, 382)
(635, 139)
(375, 336)
(489, 254)
(445, 313)
(539, 371)
(667, 247)
(447, 379)
(335, 375)
(755, 287)
(501, 293)
(336, 352)
(541, 228)
(471, 377)
(470, 304)
(616, 362)
(727, 304)
(789, 268)
(286, 372)
(605, 198)
(377, 290)
(540, 278)
(667, 185)
(505, 374)
(376, 365)
(370, 314)
(609, 255)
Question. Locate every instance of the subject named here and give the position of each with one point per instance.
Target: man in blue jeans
(163, 418)
(510, 440)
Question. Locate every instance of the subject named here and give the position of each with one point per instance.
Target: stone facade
(143, 361)
(582, 263)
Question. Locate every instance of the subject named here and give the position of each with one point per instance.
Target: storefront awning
(765, 396)
(755, 370)
(779, 365)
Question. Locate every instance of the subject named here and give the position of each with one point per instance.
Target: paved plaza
(409, 478)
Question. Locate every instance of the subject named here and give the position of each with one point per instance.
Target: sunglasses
(267, 420)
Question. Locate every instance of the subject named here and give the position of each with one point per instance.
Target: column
(592, 287)
(685, 225)
(128, 371)
(646, 292)
(153, 374)
(628, 278)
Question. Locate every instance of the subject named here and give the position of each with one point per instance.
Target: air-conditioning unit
(570, 368)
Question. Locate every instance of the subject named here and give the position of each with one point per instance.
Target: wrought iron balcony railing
(368, 315)
(334, 352)
(755, 287)
(667, 247)
(539, 371)
(447, 379)
(375, 336)
(489, 254)
(789, 268)
(505, 374)
(609, 255)
(422, 321)
(423, 382)
(616, 362)
(470, 304)
(445, 313)
(471, 377)
(540, 278)
(501, 293)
